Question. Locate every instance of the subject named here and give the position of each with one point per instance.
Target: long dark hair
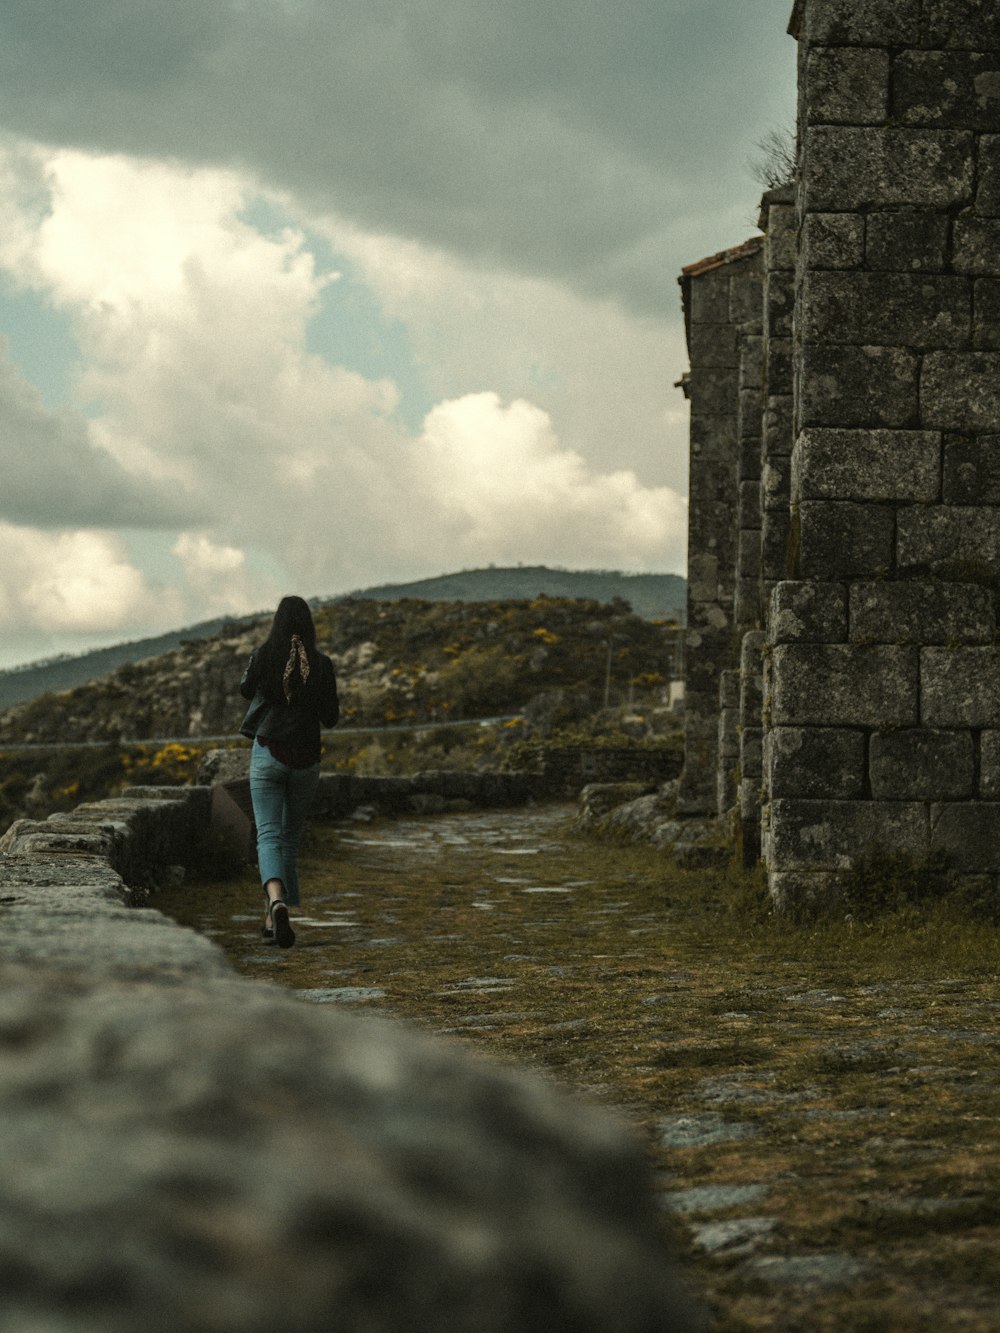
(282, 671)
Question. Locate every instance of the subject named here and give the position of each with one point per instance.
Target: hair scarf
(297, 656)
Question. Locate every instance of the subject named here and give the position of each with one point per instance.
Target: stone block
(960, 24)
(825, 763)
(751, 361)
(710, 297)
(934, 537)
(960, 687)
(779, 363)
(989, 764)
(906, 242)
(750, 461)
(900, 309)
(774, 540)
(751, 665)
(747, 605)
(833, 241)
(835, 835)
(748, 426)
(751, 753)
(808, 612)
(713, 436)
(986, 315)
(805, 891)
(971, 469)
(846, 85)
(839, 539)
(968, 833)
(778, 437)
(921, 612)
(977, 246)
(713, 346)
(749, 504)
(729, 737)
(714, 390)
(960, 391)
(947, 89)
(776, 483)
(845, 685)
(748, 558)
(703, 576)
(988, 193)
(898, 465)
(860, 386)
(861, 22)
(921, 764)
(729, 689)
(863, 168)
(781, 239)
(745, 292)
(779, 305)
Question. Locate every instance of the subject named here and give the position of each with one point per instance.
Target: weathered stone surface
(971, 470)
(862, 386)
(796, 891)
(854, 168)
(744, 291)
(833, 241)
(749, 469)
(960, 24)
(895, 465)
(752, 752)
(989, 764)
(779, 312)
(834, 835)
(959, 89)
(781, 238)
(774, 537)
(394, 1183)
(714, 387)
(845, 685)
(778, 437)
(986, 314)
(729, 689)
(713, 436)
(710, 298)
(968, 834)
(714, 346)
(776, 483)
(960, 391)
(922, 764)
(977, 245)
(751, 363)
(988, 194)
(960, 687)
(906, 242)
(808, 612)
(815, 762)
(914, 310)
(861, 22)
(844, 540)
(748, 562)
(847, 85)
(935, 536)
(748, 425)
(921, 612)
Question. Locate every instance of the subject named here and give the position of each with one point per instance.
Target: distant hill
(651, 596)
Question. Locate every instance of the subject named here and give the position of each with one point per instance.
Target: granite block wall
(866, 369)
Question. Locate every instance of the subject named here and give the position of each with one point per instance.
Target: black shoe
(283, 933)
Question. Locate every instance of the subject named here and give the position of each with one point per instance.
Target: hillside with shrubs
(556, 665)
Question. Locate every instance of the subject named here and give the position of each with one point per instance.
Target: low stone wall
(566, 769)
(189, 1150)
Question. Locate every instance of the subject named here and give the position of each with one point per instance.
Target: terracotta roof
(722, 257)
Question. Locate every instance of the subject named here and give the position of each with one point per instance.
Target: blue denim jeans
(281, 800)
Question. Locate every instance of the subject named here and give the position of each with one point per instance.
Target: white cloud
(200, 380)
(73, 583)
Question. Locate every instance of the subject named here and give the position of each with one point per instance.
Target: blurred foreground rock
(187, 1151)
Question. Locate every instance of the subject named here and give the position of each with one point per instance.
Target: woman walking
(293, 689)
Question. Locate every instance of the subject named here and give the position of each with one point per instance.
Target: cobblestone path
(826, 1144)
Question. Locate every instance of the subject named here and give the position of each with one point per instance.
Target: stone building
(844, 551)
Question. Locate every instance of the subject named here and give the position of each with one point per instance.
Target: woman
(293, 689)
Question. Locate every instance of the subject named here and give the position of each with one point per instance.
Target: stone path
(825, 1139)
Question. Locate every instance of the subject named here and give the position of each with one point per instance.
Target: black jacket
(297, 723)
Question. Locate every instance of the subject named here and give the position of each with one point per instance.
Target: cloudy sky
(304, 295)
